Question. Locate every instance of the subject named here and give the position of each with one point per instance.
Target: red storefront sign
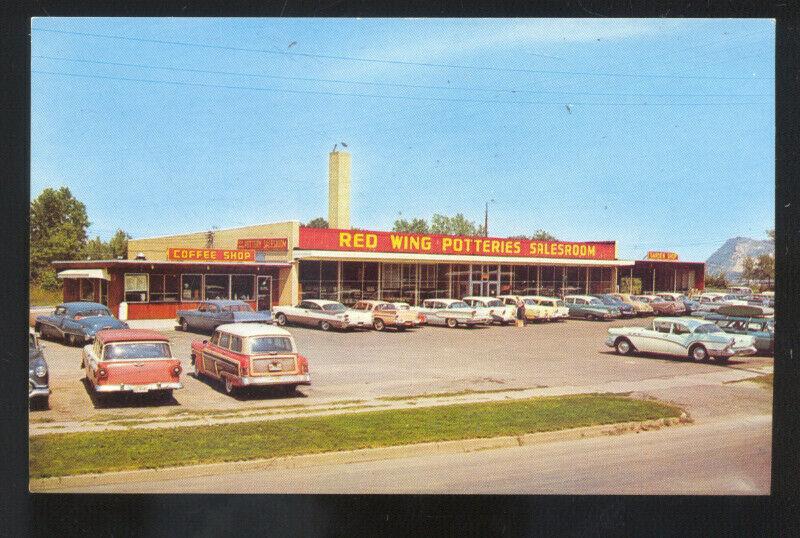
(210, 255)
(658, 255)
(272, 244)
(363, 241)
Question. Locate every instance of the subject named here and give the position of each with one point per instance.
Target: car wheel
(184, 325)
(280, 319)
(699, 353)
(452, 323)
(378, 324)
(71, 339)
(287, 390)
(590, 317)
(165, 395)
(229, 387)
(624, 346)
(38, 328)
(325, 325)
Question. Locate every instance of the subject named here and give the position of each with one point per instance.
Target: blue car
(762, 329)
(211, 314)
(77, 323)
(625, 310)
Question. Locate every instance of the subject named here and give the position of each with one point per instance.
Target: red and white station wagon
(251, 354)
(131, 360)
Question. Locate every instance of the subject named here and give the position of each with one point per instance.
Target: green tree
(118, 244)
(765, 268)
(748, 269)
(318, 222)
(455, 225)
(96, 249)
(538, 235)
(718, 281)
(58, 229)
(418, 226)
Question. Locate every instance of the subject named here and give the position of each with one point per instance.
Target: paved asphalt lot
(366, 364)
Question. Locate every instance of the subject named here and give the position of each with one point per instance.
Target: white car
(452, 313)
(555, 307)
(420, 319)
(494, 307)
(323, 314)
(683, 337)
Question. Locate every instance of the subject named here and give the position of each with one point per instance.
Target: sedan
(323, 314)
(77, 323)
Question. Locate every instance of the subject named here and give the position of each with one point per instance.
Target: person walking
(520, 312)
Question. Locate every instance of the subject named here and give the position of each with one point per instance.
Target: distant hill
(728, 258)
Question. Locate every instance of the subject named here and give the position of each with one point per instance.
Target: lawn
(42, 297)
(78, 453)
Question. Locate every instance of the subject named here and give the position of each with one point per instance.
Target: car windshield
(237, 308)
(595, 301)
(494, 302)
(458, 304)
(92, 313)
(658, 300)
(708, 328)
(334, 307)
(530, 301)
(560, 303)
(136, 350)
(607, 300)
(402, 306)
(361, 306)
(268, 344)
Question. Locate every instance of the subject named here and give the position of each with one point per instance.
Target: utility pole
(486, 219)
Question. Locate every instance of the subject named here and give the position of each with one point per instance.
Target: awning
(84, 273)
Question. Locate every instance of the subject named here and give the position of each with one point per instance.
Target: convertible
(680, 337)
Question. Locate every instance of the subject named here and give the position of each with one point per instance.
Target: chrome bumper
(745, 351)
(138, 388)
(299, 379)
(38, 392)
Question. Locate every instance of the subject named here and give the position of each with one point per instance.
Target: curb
(350, 456)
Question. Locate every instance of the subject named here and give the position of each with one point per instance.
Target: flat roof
(451, 258)
(112, 263)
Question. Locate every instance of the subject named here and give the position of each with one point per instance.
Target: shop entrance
(264, 293)
(485, 289)
(485, 280)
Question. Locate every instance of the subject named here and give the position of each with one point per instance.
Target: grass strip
(447, 394)
(94, 452)
(765, 380)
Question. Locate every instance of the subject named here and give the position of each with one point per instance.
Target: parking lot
(369, 364)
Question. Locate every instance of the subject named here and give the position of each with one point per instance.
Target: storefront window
(136, 287)
(574, 280)
(428, 280)
(600, 280)
(370, 281)
(329, 281)
(551, 281)
(86, 289)
(506, 276)
(217, 287)
(164, 288)
(309, 276)
(522, 284)
(242, 287)
(352, 282)
(191, 287)
(460, 280)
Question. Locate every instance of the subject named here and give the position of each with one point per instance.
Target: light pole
(486, 219)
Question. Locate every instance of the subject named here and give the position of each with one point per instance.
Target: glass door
(264, 293)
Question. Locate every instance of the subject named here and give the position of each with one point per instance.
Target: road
(729, 456)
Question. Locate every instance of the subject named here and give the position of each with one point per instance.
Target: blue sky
(657, 133)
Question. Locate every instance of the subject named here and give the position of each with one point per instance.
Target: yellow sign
(657, 255)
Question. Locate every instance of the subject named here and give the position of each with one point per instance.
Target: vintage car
(132, 361)
(386, 314)
(323, 314)
(689, 304)
(555, 309)
(533, 311)
(38, 376)
(762, 329)
(662, 307)
(741, 292)
(499, 312)
(77, 323)
(211, 314)
(625, 310)
(711, 301)
(247, 355)
(405, 306)
(762, 299)
(591, 308)
(452, 313)
(681, 337)
(641, 308)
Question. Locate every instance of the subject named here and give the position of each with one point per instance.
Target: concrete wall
(339, 190)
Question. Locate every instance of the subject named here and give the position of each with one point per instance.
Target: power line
(400, 62)
(393, 84)
(378, 96)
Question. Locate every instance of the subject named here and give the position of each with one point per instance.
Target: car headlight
(40, 370)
